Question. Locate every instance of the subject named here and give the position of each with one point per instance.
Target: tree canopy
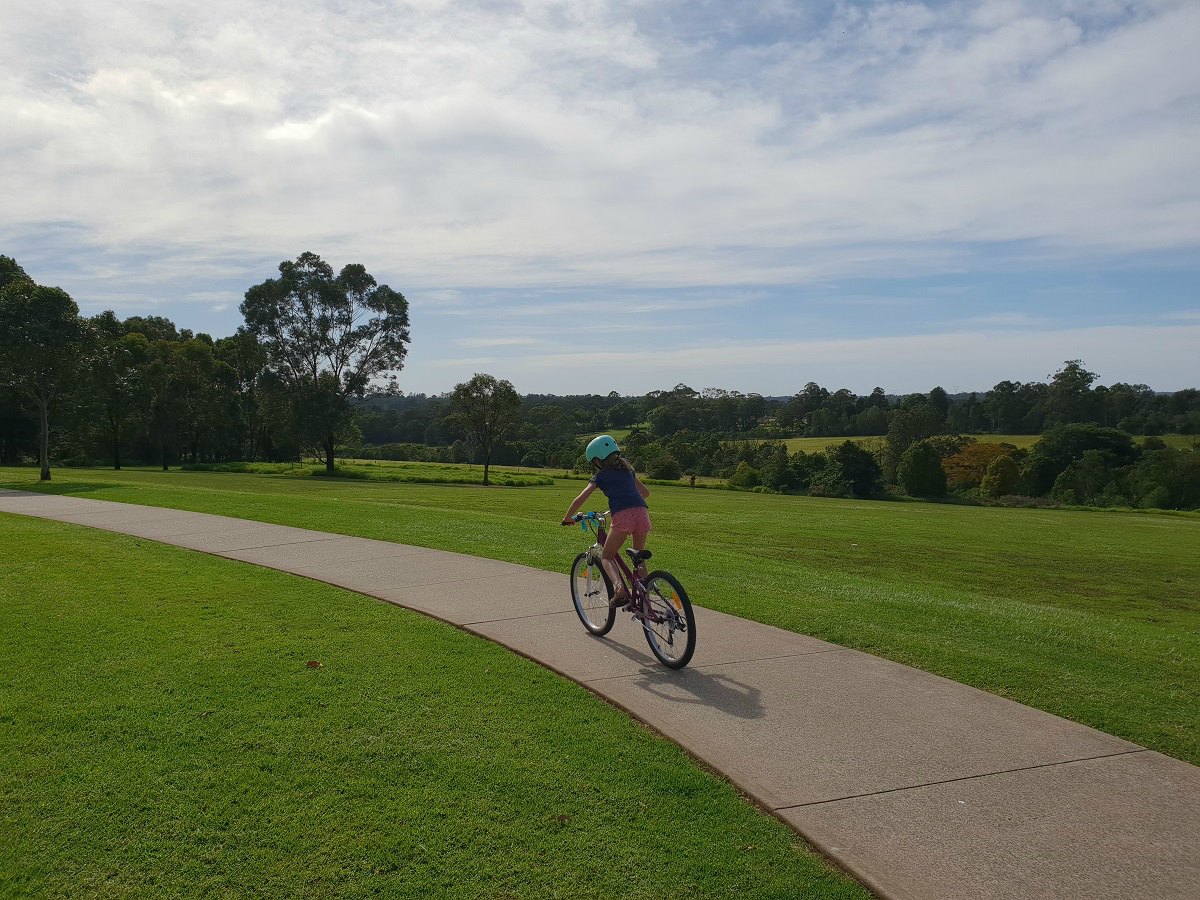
(487, 408)
(326, 338)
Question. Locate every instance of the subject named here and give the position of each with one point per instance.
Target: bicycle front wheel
(590, 590)
(670, 623)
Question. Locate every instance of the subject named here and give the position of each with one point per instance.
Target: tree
(745, 476)
(115, 375)
(857, 467)
(1003, 477)
(920, 471)
(905, 428)
(42, 342)
(1071, 398)
(10, 271)
(327, 338)
(940, 401)
(1084, 480)
(163, 404)
(777, 473)
(1061, 446)
(967, 467)
(487, 409)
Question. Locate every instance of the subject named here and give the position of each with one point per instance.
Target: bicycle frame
(657, 601)
(634, 584)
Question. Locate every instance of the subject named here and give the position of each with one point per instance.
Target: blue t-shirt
(620, 487)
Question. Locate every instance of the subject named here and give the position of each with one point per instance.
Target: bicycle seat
(637, 557)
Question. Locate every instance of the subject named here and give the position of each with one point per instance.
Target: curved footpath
(919, 786)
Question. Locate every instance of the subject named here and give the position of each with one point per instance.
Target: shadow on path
(709, 689)
(55, 487)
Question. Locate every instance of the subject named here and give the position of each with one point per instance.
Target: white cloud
(553, 143)
(503, 164)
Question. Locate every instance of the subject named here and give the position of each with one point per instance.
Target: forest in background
(299, 379)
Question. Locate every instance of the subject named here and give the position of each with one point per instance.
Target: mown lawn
(388, 470)
(1091, 615)
(162, 734)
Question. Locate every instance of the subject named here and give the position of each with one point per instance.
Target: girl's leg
(640, 534)
(612, 546)
(639, 543)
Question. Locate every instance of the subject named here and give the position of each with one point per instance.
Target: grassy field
(1094, 616)
(388, 470)
(162, 733)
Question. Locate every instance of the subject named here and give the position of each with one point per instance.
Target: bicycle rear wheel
(670, 624)
(590, 590)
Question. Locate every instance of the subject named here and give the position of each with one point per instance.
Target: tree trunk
(329, 467)
(44, 440)
(116, 445)
(487, 461)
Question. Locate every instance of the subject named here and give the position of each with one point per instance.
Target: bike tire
(590, 595)
(672, 641)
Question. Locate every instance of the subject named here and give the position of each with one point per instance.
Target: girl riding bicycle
(626, 501)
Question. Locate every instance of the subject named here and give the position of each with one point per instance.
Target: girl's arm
(641, 488)
(578, 502)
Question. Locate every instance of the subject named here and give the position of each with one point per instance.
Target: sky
(632, 194)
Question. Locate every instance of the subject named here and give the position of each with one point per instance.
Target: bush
(664, 466)
(1066, 444)
(967, 468)
(1003, 478)
(745, 477)
(855, 466)
(920, 471)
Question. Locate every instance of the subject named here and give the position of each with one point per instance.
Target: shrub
(1003, 477)
(920, 471)
(967, 468)
(1084, 480)
(745, 476)
(664, 466)
(856, 466)
(1061, 446)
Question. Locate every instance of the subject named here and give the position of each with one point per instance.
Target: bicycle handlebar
(583, 518)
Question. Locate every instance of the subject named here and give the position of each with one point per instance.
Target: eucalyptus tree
(43, 341)
(327, 338)
(486, 409)
(115, 371)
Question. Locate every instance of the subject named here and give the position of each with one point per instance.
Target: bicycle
(658, 601)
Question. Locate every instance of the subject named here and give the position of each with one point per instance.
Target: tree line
(313, 371)
(102, 389)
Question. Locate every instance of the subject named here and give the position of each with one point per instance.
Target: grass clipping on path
(174, 725)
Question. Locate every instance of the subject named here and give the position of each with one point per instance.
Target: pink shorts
(635, 520)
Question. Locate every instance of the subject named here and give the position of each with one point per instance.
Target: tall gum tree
(42, 344)
(327, 338)
(486, 409)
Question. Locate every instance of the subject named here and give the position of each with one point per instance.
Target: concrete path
(919, 786)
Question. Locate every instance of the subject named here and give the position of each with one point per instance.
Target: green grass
(387, 470)
(1094, 616)
(161, 735)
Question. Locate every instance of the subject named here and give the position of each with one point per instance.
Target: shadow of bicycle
(713, 690)
(694, 686)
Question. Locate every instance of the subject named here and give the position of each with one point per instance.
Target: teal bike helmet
(601, 448)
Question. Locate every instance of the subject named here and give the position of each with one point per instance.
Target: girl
(626, 501)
